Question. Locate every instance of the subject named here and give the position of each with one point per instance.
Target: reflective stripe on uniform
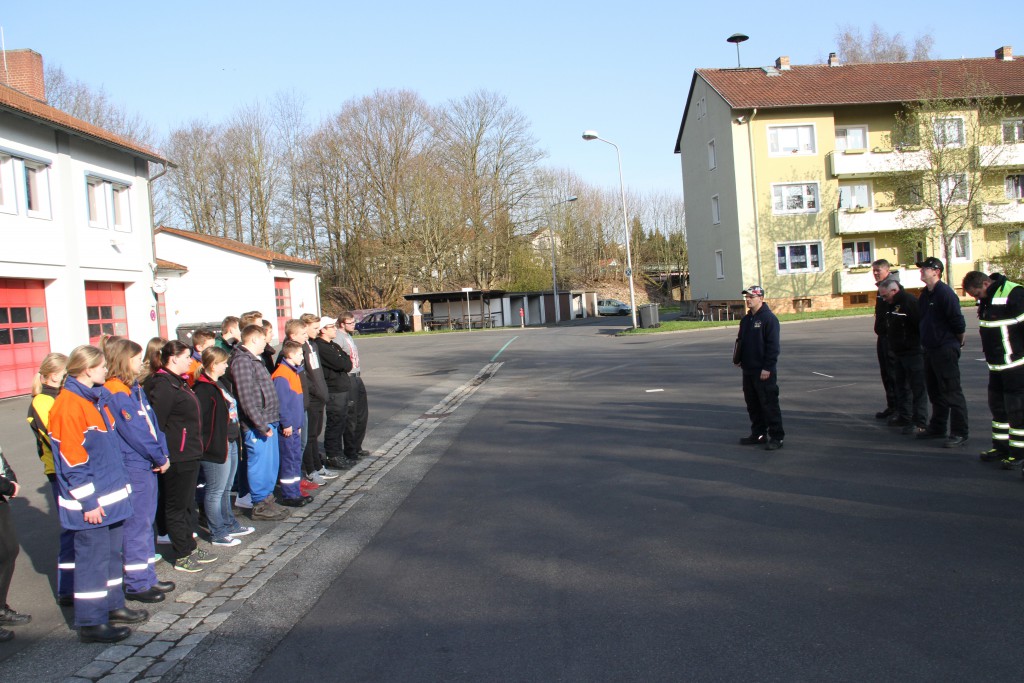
(95, 595)
(136, 567)
(65, 565)
(83, 491)
(114, 582)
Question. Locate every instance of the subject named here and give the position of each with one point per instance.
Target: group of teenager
(920, 339)
(146, 446)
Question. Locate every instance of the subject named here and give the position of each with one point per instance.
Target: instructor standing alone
(757, 356)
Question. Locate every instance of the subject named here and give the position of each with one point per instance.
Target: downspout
(753, 192)
(152, 211)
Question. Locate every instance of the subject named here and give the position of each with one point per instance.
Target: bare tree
(879, 46)
(94, 106)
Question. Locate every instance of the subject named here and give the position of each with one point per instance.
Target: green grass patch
(675, 325)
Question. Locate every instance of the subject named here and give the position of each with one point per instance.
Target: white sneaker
(326, 473)
(244, 531)
(226, 541)
(244, 502)
(316, 478)
(163, 540)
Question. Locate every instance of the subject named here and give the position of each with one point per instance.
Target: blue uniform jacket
(289, 392)
(941, 317)
(87, 459)
(143, 445)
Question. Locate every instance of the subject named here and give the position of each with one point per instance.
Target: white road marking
(651, 391)
(838, 386)
(822, 374)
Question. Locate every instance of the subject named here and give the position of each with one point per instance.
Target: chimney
(833, 60)
(1005, 53)
(782, 63)
(24, 72)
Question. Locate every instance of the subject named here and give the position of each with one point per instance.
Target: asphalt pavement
(567, 504)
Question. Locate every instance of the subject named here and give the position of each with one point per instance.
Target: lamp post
(589, 135)
(551, 235)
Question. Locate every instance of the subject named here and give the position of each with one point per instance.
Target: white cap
(325, 321)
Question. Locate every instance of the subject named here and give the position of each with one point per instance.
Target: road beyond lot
(565, 504)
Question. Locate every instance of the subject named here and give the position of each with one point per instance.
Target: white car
(612, 307)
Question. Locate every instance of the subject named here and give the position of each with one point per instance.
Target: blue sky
(621, 69)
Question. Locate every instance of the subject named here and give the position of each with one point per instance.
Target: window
(857, 254)
(1015, 239)
(795, 198)
(949, 132)
(1015, 187)
(910, 195)
(961, 246)
(855, 196)
(799, 258)
(851, 137)
(109, 205)
(24, 186)
(791, 139)
(953, 188)
(282, 303)
(719, 265)
(716, 216)
(712, 162)
(1013, 131)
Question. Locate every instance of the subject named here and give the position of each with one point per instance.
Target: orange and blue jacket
(289, 394)
(87, 459)
(143, 445)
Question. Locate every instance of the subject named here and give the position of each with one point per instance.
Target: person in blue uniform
(94, 497)
(288, 384)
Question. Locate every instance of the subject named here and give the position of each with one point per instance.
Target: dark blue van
(390, 322)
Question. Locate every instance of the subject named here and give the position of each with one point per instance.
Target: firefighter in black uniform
(1001, 323)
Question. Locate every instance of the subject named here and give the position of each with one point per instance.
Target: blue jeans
(219, 476)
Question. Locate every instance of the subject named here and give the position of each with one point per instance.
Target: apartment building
(796, 177)
(77, 260)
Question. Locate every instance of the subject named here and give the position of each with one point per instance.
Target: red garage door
(105, 309)
(24, 337)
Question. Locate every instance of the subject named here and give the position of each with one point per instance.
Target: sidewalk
(49, 649)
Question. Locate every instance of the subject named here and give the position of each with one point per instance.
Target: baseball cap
(754, 290)
(325, 321)
(930, 262)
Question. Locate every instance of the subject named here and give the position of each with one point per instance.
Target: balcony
(1000, 156)
(859, 280)
(859, 221)
(856, 163)
(995, 214)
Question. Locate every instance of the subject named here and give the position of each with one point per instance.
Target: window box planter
(885, 208)
(854, 151)
(859, 209)
(881, 150)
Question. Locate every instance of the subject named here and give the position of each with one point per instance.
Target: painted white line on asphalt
(822, 374)
(652, 391)
(838, 386)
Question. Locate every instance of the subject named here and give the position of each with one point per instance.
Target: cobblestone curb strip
(160, 644)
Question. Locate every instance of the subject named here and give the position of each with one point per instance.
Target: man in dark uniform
(757, 356)
(903, 336)
(1001, 322)
(886, 361)
(942, 336)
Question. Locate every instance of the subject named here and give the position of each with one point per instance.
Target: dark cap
(754, 290)
(930, 262)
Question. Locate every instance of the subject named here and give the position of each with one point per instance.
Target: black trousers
(1006, 401)
(911, 395)
(358, 415)
(8, 551)
(315, 424)
(762, 398)
(887, 368)
(180, 505)
(334, 429)
(942, 377)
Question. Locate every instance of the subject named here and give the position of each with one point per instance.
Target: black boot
(127, 616)
(151, 595)
(104, 633)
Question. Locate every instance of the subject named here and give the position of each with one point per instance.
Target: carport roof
(454, 296)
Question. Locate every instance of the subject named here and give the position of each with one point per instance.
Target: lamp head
(572, 198)
(590, 135)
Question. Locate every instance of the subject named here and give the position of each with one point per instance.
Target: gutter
(753, 191)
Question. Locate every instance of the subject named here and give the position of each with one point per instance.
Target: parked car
(612, 307)
(385, 321)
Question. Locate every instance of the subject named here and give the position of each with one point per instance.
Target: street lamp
(589, 135)
(551, 234)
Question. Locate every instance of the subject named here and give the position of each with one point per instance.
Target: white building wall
(61, 249)
(220, 283)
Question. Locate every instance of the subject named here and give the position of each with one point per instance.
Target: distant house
(205, 278)
(77, 260)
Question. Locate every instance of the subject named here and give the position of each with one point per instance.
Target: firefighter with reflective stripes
(93, 496)
(288, 385)
(1001, 324)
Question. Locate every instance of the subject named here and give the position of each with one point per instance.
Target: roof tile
(238, 247)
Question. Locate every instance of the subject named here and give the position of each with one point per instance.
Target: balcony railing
(859, 280)
(862, 163)
(1000, 156)
(859, 221)
(994, 214)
